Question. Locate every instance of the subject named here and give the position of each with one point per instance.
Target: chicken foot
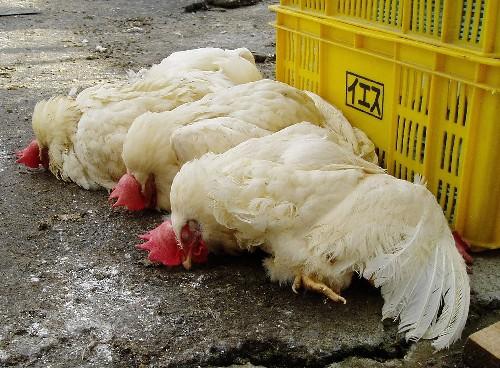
(318, 287)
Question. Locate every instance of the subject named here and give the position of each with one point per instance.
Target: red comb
(464, 249)
(128, 193)
(30, 156)
(161, 243)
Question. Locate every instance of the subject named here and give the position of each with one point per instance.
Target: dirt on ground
(74, 292)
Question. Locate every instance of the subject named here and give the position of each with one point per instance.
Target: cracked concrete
(74, 290)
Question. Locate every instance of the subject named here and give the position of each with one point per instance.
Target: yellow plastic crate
(429, 110)
(471, 24)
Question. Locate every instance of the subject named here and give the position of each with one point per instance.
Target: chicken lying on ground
(157, 145)
(322, 214)
(81, 139)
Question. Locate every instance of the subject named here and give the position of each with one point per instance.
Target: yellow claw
(319, 287)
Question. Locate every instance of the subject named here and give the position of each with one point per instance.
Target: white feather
(216, 123)
(329, 213)
(85, 135)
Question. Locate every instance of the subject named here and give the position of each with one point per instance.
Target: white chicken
(322, 214)
(157, 144)
(81, 139)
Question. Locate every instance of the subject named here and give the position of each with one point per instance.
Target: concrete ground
(74, 292)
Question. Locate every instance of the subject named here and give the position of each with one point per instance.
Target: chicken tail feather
(425, 282)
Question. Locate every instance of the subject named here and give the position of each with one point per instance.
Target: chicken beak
(186, 263)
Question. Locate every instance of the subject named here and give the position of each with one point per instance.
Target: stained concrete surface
(74, 292)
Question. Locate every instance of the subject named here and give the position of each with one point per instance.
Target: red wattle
(200, 254)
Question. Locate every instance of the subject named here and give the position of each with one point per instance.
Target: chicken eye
(193, 226)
